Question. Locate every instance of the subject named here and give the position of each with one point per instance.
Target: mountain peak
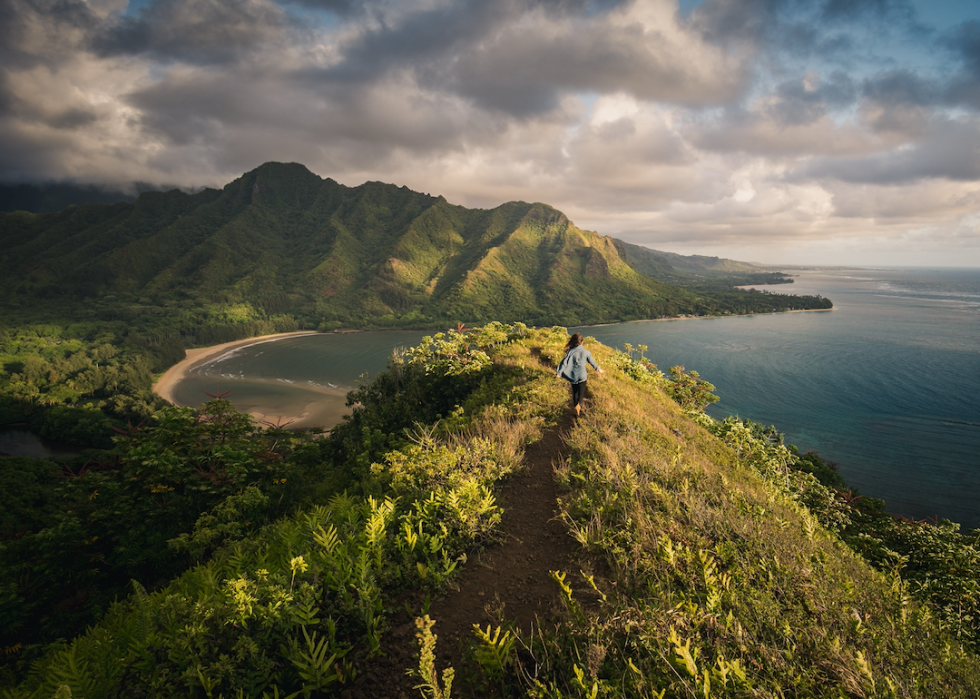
(280, 239)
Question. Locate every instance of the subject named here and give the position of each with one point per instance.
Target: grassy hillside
(716, 565)
(280, 240)
(696, 270)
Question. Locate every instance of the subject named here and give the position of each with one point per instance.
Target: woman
(573, 369)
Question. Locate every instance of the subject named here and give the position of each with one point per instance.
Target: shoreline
(734, 315)
(164, 386)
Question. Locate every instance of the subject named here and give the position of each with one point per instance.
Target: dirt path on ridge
(509, 582)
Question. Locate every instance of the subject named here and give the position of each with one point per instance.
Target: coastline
(164, 386)
(312, 413)
(734, 315)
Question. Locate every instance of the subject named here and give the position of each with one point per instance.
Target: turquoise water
(887, 385)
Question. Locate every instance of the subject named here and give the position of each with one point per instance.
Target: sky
(776, 131)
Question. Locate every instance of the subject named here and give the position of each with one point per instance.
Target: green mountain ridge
(696, 269)
(282, 240)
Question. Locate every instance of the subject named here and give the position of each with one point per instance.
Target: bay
(301, 380)
(886, 385)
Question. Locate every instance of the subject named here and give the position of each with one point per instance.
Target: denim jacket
(572, 368)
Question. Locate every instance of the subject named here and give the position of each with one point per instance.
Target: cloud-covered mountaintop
(834, 131)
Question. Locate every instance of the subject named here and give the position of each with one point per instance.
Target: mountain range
(281, 240)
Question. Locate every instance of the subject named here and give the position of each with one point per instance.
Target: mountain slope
(281, 240)
(700, 270)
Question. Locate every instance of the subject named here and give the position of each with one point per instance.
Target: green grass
(719, 570)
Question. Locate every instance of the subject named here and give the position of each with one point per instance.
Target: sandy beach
(195, 357)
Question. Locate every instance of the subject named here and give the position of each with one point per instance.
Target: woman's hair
(574, 341)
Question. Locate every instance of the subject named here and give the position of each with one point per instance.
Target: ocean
(886, 385)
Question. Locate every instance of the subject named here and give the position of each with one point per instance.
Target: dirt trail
(509, 582)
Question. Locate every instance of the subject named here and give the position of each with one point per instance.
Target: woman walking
(573, 369)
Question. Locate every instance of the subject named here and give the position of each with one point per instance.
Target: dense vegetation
(281, 241)
(72, 382)
(731, 565)
(54, 196)
(696, 271)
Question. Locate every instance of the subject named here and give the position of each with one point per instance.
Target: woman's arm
(590, 360)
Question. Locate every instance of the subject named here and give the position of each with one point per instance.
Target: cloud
(344, 8)
(751, 120)
(522, 59)
(922, 204)
(963, 43)
(43, 32)
(194, 31)
(848, 11)
(949, 149)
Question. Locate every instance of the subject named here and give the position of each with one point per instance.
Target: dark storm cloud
(215, 108)
(70, 119)
(344, 8)
(855, 10)
(8, 96)
(61, 20)
(420, 39)
(800, 28)
(965, 41)
(526, 72)
(193, 31)
(521, 58)
(901, 88)
(725, 22)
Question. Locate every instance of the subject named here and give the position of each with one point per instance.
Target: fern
(72, 672)
(496, 651)
(317, 669)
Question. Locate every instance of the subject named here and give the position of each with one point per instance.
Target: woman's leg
(578, 392)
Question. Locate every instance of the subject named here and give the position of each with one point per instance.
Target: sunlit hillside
(695, 558)
(281, 241)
